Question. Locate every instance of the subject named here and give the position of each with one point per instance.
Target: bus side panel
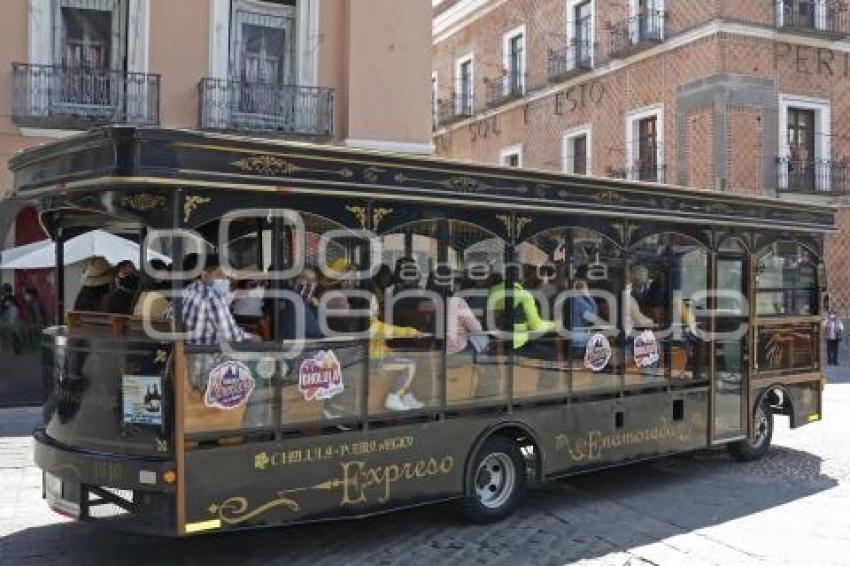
(340, 475)
(598, 434)
(806, 403)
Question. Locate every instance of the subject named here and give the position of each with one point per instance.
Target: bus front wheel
(497, 481)
(748, 449)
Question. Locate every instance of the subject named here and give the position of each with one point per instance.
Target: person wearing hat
(120, 299)
(97, 278)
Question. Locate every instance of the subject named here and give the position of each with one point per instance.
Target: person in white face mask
(206, 311)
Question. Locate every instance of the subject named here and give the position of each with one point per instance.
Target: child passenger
(400, 396)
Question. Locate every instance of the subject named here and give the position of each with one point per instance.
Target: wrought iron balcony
(455, 109)
(819, 17)
(636, 33)
(505, 88)
(265, 108)
(569, 62)
(79, 98)
(812, 176)
(650, 172)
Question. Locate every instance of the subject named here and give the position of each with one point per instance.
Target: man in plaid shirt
(206, 313)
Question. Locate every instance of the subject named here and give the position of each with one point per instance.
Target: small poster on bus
(142, 399)
(229, 386)
(320, 377)
(597, 352)
(645, 349)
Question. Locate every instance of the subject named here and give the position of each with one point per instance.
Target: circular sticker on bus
(320, 377)
(645, 349)
(229, 386)
(597, 353)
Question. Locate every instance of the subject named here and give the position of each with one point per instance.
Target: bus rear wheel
(748, 450)
(497, 481)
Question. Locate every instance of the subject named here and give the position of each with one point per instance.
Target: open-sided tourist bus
(698, 321)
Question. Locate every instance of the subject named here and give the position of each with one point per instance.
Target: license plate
(62, 496)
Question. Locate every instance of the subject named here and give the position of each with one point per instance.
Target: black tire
(748, 450)
(497, 481)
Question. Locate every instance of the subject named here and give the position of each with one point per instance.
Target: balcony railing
(569, 62)
(823, 17)
(453, 110)
(77, 97)
(265, 108)
(505, 88)
(649, 172)
(812, 176)
(636, 33)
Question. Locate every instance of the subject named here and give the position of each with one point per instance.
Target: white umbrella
(97, 242)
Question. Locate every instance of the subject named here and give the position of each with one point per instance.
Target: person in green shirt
(528, 328)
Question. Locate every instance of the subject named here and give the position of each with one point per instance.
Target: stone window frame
(571, 26)
(822, 108)
(632, 152)
(567, 148)
(821, 22)
(507, 38)
(514, 150)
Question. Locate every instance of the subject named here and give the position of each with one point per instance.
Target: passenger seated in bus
(464, 332)
(125, 267)
(400, 396)
(382, 281)
(152, 302)
(527, 320)
(206, 312)
(583, 316)
(120, 298)
(301, 304)
(411, 305)
(249, 298)
(97, 279)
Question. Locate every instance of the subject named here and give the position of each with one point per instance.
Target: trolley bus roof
(162, 160)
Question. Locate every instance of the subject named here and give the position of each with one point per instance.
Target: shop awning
(42, 255)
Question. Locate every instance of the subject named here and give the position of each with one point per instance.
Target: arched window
(666, 303)
(787, 280)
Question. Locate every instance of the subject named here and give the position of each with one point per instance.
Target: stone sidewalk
(702, 508)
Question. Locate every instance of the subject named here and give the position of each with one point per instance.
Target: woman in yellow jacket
(400, 396)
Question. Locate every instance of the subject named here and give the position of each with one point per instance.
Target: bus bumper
(125, 493)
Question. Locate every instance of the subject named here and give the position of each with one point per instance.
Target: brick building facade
(749, 97)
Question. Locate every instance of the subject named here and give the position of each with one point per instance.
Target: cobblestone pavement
(702, 508)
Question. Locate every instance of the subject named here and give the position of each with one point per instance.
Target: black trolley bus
(706, 318)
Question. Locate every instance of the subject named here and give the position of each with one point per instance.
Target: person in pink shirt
(461, 323)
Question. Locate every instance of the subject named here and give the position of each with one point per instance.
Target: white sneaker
(394, 403)
(412, 402)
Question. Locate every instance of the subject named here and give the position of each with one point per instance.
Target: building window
(514, 62)
(577, 151)
(647, 20)
(89, 37)
(820, 15)
(435, 111)
(465, 86)
(511, 156)
(263, 43)
(580, 32)
(805, 162)
(645, 145)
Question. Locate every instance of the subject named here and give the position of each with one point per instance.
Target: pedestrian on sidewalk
(834, 334)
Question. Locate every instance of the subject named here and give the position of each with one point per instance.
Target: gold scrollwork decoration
(505, 219)
(372, 174)
(521, 223)
(378, 214)
(267, 165)
(359, 213)
(143, 202)
(237, 510)
(464, 184)
(161, 357)
(191, 204)
(609, 197)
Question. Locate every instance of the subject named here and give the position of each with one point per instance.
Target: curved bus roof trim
(132, 162)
